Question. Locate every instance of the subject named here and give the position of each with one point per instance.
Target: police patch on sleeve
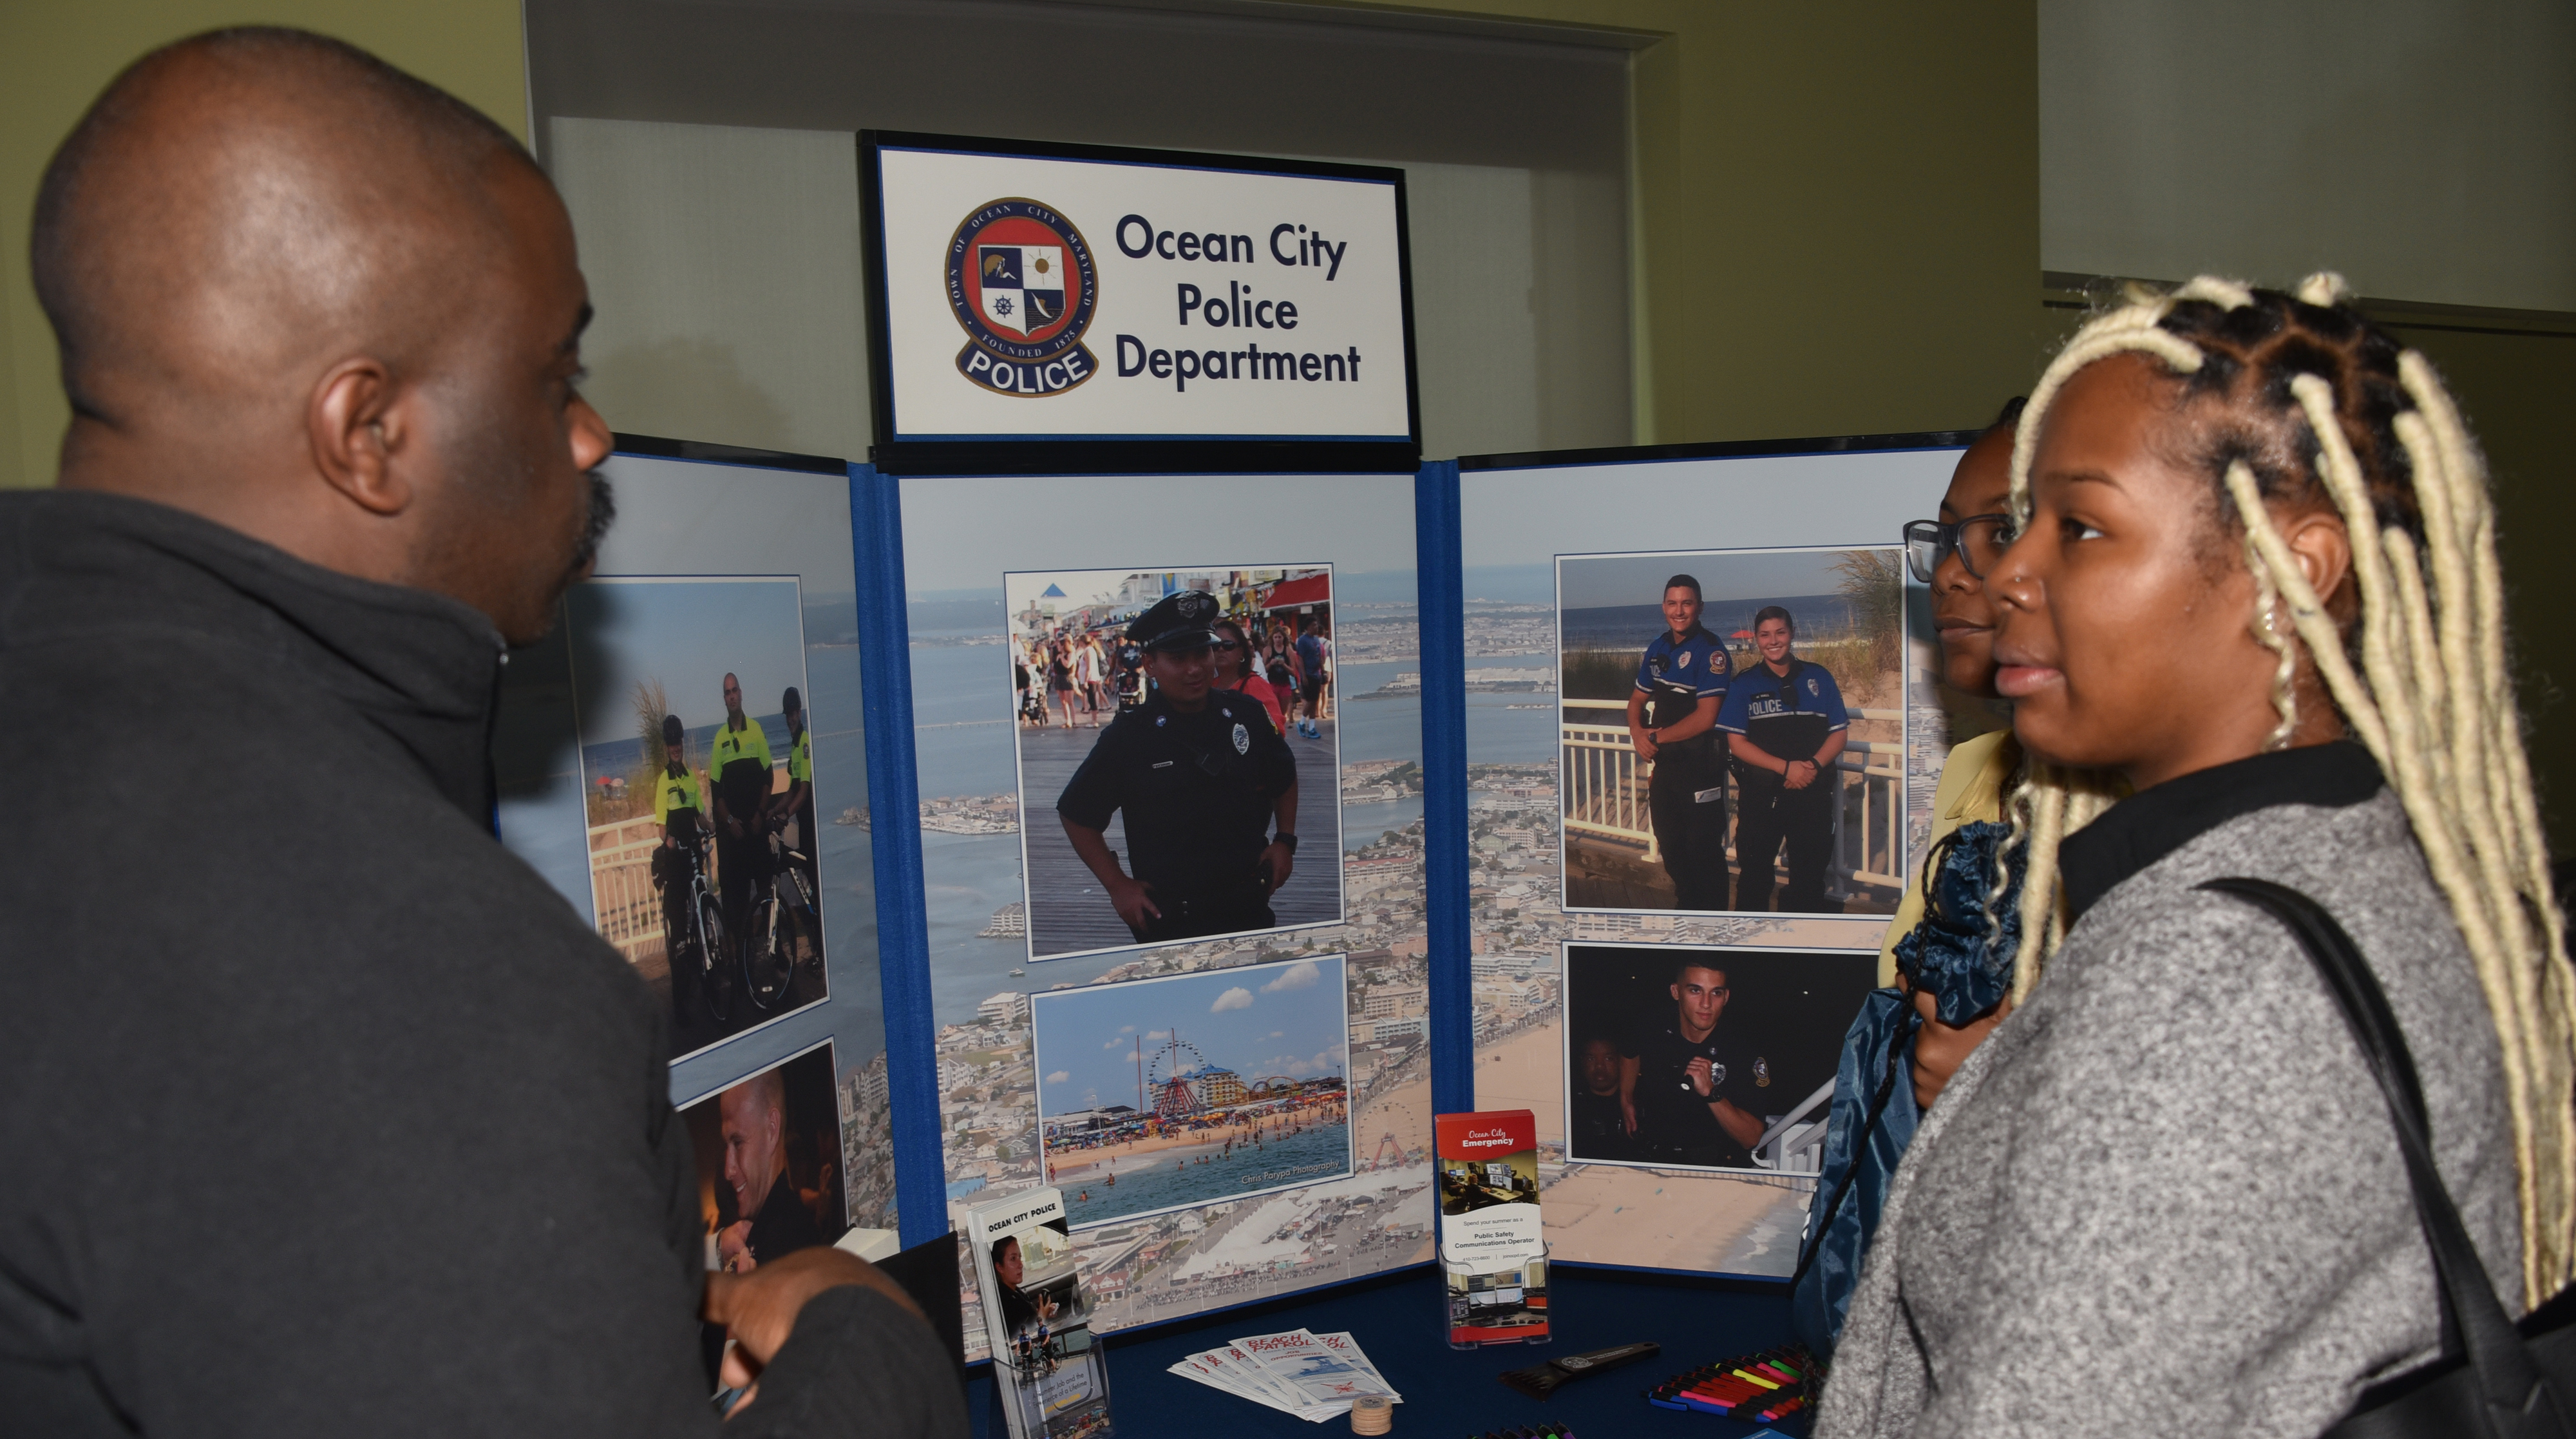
(1242, 740)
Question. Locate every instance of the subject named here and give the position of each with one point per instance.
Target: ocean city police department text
(1291, 245)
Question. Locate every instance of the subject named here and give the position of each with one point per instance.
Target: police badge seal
(1242, 740)
(1022, 284)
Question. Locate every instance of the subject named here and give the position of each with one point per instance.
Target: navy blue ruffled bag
(1957, 957)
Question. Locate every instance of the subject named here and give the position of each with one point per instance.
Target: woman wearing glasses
(1875, 1107)
(1235, 670)
(1953, 555)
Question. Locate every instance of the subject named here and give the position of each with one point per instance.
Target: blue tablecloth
(1452, 1393)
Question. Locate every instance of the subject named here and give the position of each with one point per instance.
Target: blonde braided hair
(2420, 678)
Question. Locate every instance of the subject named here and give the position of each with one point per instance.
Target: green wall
(56, 55)
(2516, 387)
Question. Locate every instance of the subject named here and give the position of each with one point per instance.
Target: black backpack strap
(2474, 1325)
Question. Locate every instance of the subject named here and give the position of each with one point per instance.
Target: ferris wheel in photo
(1169, 1074)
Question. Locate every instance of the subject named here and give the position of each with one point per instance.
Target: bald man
(413, 1168)
(774, 1220)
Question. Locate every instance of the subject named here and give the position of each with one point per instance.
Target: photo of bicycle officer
(679, 864)
(692, 700)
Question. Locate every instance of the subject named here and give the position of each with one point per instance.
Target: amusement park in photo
(1244, 1091)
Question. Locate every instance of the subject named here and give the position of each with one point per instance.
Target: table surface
(1451, 1393)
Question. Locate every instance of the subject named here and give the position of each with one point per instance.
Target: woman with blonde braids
(2255, 580)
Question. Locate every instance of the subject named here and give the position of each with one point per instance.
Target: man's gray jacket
(320, 1113)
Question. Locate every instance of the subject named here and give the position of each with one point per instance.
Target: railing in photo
(1795, 1142)
(621, 887)
(1603, 789)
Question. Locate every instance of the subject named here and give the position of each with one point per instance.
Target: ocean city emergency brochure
(1493, 1254)
(1050, 1373)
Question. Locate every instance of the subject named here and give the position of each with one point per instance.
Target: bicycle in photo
(697, 945)
(783, 916)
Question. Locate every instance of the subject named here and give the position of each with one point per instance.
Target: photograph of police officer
(1688, 1057)
(1785, 726)
(1181, 817)
(1672, 718)
(688, 773)
(769, 1150)
(1761, 727)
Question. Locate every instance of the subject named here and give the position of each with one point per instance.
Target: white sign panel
(1048, 298)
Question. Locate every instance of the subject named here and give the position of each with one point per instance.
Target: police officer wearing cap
(1200, 776)
(1785, 722)
(677, 808)
(1681, 681)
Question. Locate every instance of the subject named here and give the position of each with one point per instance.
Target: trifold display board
(1487, 901)
(1625, 923)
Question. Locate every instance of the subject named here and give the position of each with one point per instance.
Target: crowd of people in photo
(1081, 666)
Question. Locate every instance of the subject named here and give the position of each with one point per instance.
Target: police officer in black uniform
(1689, 1082)
(1672, 714)
(1785, 723)
(1200, 776)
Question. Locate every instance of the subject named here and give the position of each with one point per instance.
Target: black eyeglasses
(1978, 541)
(1228, 646)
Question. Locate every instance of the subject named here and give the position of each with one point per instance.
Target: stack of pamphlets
(1052, 1377)
(1313, 1376)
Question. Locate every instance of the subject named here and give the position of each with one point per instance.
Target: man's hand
(1702, 1081)
(1628, 1113)
(1798, 774)
(733, 1248)
(1939, 1049)
(1133, 900)
(1644, 741)
(1279, 863)
(759, 1309)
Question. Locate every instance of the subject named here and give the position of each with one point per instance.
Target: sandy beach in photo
(1526, 1071)
(1602, 1214)
(1185, 1147)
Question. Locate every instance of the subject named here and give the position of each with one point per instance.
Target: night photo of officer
(1785, 727)
(1672, 718)
(1687, 1078)
(1205, 786)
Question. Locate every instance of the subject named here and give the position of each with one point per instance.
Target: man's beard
(603, 513)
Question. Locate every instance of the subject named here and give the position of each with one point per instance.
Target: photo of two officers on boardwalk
(1181, 818)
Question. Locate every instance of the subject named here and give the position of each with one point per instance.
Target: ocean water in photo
(1174, 1177)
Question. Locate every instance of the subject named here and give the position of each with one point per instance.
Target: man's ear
(2323, 548)
(357, 430)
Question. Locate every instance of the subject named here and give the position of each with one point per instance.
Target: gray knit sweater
(2165, 1195)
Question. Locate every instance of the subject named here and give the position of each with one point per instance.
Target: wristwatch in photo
(1284, 837)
